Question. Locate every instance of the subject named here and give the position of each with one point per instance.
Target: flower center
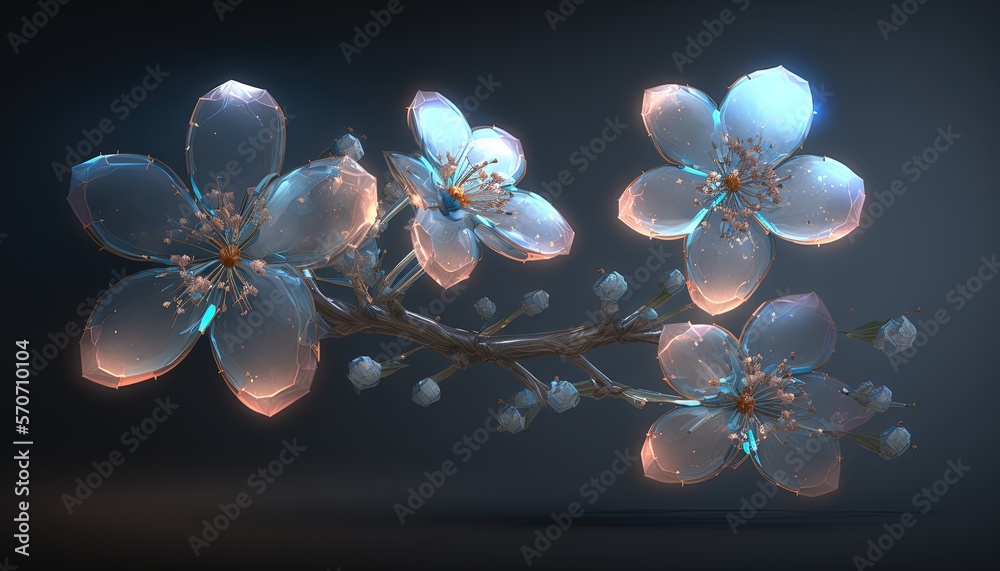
(458, 193)
(230, 255)
(744, 404)
(732, 181)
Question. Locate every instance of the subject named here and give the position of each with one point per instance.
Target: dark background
(333, 507)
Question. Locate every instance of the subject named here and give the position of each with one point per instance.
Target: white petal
(438, 126)
(447, 250)
(531, 229)
(820, 202)
(682, 123)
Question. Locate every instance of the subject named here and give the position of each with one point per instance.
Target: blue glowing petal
(529, 229)
(725, 267)
(439, 127)
(682, 121)
(206, 319)
(417, 177)
(234, 124)
(820, 202)
(132, 205)
(318, 212)
(664, 202)
(268, 352)
(795, 324)
(773, 103)
(131, 337)
(491, 143)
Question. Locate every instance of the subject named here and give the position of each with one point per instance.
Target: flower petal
(820, 203)
(491, 143)
(416, 177)
(697, 359)
(683, 123)
(664, 202)
(529, 229)
(267, 346)
(447, 250)
(318, 212)
(798, 324)
(132, 337)
(133, 205)
(439, 127)
(687, 445)
(725, 267)
(800, 461)
(236, 137)
(825, 407)
(774, 104)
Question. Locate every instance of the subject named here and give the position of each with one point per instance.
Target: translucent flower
(732, 183)
(463, 187)
(759, 395)
(234, 245)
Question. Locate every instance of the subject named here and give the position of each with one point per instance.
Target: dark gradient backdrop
(880, 102)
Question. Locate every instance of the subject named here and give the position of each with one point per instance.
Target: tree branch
(466, 348)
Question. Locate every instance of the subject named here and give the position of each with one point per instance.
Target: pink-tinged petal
(774, 104)
(445, 249)
(800, 461)
(136, 207)
(416, 178)
(724, 266)
(664, 202)
(798, 325)
(137, 331)
(697, 359)
(687, 446)
(821, 201)
(493, 143)
(234, 124)
(529, 229)
(682, 123)
(318, 212)
(825, 407)
(267, 345)
(439, 127)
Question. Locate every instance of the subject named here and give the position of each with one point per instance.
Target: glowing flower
(760, 395)
(463, 187)
(233, 244)
(729, 188)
